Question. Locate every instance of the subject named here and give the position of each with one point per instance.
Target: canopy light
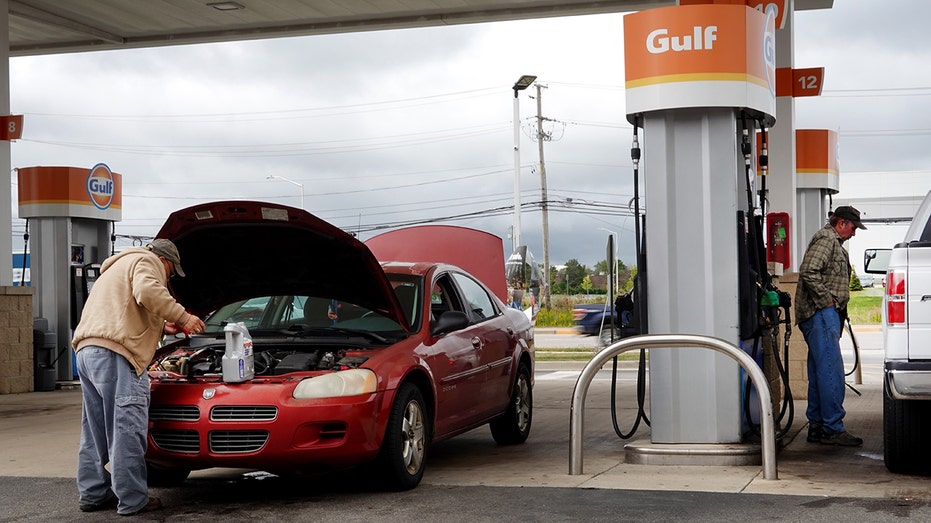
(226, 6)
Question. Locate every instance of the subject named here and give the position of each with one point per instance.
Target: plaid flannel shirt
(824, 276)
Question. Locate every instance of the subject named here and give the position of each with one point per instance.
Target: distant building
(20, 270)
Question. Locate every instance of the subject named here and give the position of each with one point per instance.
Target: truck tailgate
(918, 289)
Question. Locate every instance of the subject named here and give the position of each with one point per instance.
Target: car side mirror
(449, 321)
(876, 261)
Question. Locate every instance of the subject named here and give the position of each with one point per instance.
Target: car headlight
(350, 382)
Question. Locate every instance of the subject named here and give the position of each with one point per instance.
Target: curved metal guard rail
(577, 408)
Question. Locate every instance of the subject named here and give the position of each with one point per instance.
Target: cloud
(405, 125)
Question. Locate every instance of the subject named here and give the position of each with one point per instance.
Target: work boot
(815, 433)
(843, 439)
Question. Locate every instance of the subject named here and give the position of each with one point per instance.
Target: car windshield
(304, 313)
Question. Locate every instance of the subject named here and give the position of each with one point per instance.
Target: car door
(492, 333)
(456, 363)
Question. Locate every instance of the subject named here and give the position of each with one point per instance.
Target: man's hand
(194, 325)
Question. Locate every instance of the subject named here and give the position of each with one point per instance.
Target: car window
(291, 312)
(409, 291)
(479, 303)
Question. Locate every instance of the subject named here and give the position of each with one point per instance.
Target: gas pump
(817, 178)
(698, 102)
(71, 212)
(83, 278)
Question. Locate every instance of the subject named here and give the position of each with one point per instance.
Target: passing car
(866, 280)
(591, 318)
(343, 359)
(595, 319)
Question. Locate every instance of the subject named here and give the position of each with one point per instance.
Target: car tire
(403, 455)
(906, 423)
(513, 427)
(165, 477)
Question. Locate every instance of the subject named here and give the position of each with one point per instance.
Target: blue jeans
(825, 370)
(114, 421)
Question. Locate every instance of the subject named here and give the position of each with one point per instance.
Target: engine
(276, 360)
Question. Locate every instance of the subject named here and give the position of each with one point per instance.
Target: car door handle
(477, 342)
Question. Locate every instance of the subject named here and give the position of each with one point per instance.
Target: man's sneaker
(843, 439)
(109, 503)
(815, 433)
(153, 504)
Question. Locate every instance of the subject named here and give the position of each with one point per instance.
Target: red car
(336, 359)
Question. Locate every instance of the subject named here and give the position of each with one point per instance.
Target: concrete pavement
(39, 435)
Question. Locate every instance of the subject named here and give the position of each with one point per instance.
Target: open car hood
(233, 250)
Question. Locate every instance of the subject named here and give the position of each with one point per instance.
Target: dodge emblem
(208, 393)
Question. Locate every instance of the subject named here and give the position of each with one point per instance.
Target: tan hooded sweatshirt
(128, 307)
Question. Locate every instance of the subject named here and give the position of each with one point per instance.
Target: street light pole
(282, 178)
(522, 83)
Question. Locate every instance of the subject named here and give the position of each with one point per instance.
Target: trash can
(43, 356)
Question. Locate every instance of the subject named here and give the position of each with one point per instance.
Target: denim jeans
(114, 421)
(825, 370)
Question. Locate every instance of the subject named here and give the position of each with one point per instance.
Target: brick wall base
(16, 347)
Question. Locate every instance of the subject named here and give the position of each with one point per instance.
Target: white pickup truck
(907, 342)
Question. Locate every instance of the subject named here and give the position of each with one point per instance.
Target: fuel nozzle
(764, 152)
(635, 149)
(745, 145)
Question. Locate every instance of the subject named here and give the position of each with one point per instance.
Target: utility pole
(544, 204)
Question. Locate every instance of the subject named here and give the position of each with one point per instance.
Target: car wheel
(906, 423)
(403, 455)
(164, 477)
(513, 426)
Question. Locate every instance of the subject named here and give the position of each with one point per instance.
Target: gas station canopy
(39, 27)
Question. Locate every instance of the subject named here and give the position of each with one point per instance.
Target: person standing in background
(820, 311)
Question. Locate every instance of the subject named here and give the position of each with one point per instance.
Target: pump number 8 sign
(12, 127)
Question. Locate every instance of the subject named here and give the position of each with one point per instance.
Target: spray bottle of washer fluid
(238, 361)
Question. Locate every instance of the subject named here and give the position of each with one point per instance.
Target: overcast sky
(392, 127)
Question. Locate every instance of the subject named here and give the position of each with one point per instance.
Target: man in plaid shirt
(820, 311)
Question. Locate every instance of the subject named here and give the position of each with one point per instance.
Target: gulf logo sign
(719, 55)
(48, 191)
(100, 186)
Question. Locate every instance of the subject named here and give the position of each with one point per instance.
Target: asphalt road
(350, 499)
(458, 484)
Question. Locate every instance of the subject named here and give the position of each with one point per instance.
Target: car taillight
(895, 298)
(578, 314)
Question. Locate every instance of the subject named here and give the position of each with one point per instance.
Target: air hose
(639, 306)
(856, 355)
(22, 276)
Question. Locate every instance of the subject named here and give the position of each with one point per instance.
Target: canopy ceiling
(56, 26)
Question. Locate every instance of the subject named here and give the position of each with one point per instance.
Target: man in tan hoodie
(126, 314)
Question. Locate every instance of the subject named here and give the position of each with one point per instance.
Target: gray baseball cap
(167, 249)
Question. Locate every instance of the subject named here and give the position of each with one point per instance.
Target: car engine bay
(204, 360)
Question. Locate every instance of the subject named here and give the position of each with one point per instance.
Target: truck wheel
(905, 425)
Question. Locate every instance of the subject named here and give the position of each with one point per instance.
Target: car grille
(184, 441)
(174, 412)
(237, 441)
(244, 413)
